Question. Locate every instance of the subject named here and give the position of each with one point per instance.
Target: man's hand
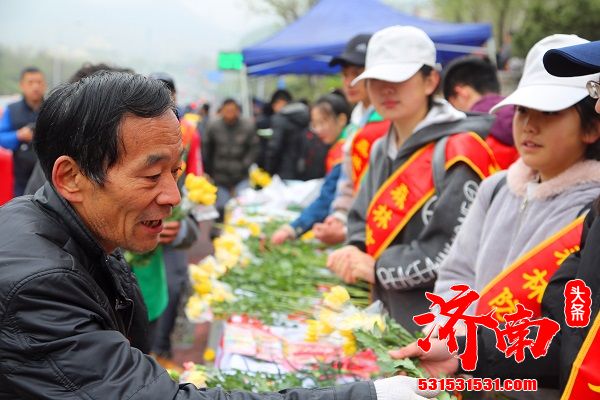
(401, 388)
(438, 361)
(169, 232)
(351, 264)
(25, 134)
(331, 231)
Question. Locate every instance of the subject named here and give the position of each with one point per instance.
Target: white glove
(401, 388)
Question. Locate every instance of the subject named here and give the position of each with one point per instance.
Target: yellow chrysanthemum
(200, 196)
(200, 190)
(325, 328)
(209, 354)
(309, 235)
(207, 268)
(254, 229)
(203, 287)
(195, 307)
(312, 330)
(241, 222)
(336, 297)
(259, 178)
(349, 345)
(221, 293)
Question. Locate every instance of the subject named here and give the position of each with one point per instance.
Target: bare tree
(288, 10)
(505, 15)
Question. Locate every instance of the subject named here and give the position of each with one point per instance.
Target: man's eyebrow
(156, 158)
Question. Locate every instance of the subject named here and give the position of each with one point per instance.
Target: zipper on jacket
(121, 305)
(523, 205)
(522, 209)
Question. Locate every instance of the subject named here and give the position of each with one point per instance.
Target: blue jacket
(319, 209)
(16, 116)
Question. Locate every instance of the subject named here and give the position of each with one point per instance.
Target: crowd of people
(432, 181)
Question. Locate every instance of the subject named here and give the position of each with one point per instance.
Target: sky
(182, 37)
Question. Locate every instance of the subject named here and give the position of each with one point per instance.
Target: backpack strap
(438, 164)
(497, 188)
(467, 148)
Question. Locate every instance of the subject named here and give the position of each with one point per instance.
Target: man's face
(33, 86)
(140, 189)
(230, 113)
(358, 92)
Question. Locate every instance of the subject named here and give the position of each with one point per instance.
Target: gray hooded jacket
(408, 267)
(521, 215)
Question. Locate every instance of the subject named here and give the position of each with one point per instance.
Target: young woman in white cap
(579, 364)
(524, 223)
(421, 179)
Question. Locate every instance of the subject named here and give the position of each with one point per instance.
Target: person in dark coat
(289, 124)
(229, 148)
(73, 322)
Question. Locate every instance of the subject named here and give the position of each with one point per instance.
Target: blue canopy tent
(307, 45)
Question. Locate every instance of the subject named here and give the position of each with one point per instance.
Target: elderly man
(73, 323)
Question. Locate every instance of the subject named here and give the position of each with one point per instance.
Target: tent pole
(491, 50)
(246, 106)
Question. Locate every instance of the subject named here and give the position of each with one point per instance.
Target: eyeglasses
(593, 89)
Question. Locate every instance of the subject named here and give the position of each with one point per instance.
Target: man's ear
(461, 91)
(68, 179)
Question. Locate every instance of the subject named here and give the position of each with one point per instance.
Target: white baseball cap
(541, 91)
(396, 53)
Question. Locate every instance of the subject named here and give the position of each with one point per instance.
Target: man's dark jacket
(284, 151)
(72, 322)
(229, 150)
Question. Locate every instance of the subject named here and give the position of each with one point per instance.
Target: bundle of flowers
(259, 178)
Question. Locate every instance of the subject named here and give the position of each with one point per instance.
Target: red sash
(584, 381)
(191, 145)
(334, 155)
(411, 185)
(505, 155)
(361, 148)
(525, 280)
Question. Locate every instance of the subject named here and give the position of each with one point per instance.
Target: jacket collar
(83, 245)
(520, 175)
(479, 124)
(50, 200)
